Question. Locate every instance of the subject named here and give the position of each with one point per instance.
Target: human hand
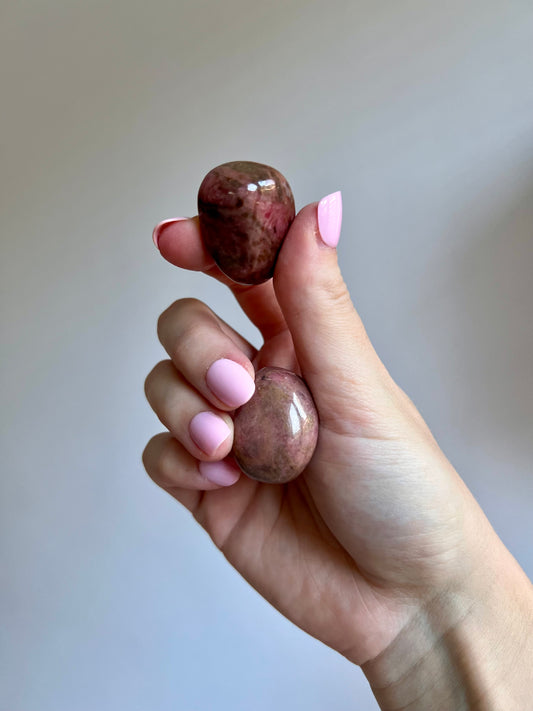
(379, 542)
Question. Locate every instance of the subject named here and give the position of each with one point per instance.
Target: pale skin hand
(379, 531)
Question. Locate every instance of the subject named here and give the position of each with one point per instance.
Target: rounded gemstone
(245, 211)
(275, 433)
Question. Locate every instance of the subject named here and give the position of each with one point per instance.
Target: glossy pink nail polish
(158, 229)
(208, 431)
(330, 218)
(221, 473)
(230, 382)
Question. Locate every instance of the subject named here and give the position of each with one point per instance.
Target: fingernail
(230, 382)
(330, 218)
(208, 431)
(158, 229)
(220, 473)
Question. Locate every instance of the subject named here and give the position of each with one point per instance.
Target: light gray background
(112, 112)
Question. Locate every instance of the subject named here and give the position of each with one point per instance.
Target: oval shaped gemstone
(276, 431)
(245, 211)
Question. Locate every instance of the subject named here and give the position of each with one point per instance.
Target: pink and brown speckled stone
(245, 211)
(277, 430)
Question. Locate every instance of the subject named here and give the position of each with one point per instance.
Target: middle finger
(206, 355)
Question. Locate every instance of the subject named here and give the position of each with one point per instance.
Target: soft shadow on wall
(487, 302)
(480, 325)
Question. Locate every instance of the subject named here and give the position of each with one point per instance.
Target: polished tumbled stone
(245, 211)
(276, 431)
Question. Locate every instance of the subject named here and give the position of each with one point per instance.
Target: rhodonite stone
(245, 211)
(276, 431)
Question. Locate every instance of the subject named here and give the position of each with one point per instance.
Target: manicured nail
(158, 229)
(220, 473)
(230, 382)
(330, 218)
(208, 431)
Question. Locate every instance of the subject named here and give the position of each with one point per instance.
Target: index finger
(180, 243)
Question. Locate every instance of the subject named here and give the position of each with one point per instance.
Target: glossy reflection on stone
(276, 431)
(245, 211)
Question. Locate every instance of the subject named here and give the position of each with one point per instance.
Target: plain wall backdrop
(111, 113)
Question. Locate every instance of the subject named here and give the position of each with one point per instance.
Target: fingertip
(329, 216)
(300, 257)
(221, 473)
(210, 432)
(180, 243)
(230, 382)
(162, 226)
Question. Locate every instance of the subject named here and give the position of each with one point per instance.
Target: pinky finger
(174, 469)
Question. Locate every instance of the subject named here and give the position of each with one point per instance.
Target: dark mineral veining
(245, 211)
(276, 431)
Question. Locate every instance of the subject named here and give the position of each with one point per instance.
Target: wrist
(468, 647)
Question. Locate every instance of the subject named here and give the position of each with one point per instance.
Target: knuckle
(183, 344)
(184, 308)
(337, 292)
(153, 376)
(192, 333)
(159, 460)
(182, 324)
(188, 303)
(166, 465)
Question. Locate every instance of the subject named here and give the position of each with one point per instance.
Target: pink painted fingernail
(158, 229)
(330, 218)
(230, 382)
(208, 431)
(221, 473)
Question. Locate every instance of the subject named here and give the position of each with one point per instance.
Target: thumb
(333, 350)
